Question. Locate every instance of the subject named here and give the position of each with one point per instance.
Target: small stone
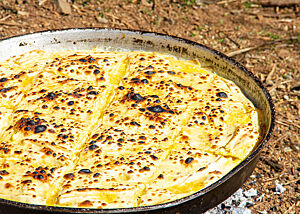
(64, 6)
(279, 188)
(250, 193)
(101, 19)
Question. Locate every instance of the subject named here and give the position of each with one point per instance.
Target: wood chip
(64, 6)
(41, 2)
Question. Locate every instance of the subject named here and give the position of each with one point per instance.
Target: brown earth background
(262, 35)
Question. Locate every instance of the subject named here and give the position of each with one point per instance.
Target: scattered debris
(238, 203)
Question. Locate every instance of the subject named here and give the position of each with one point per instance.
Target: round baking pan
(118, 40)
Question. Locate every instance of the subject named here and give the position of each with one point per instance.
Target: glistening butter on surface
(117, 129)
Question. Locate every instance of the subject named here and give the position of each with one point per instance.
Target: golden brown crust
(116, 129)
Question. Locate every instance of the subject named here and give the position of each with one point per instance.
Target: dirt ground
(263, 37)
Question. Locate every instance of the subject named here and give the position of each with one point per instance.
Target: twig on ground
(292, 181)
(281, 138)
(276, 3)
(287, 123)
(231, 40)
(226, 1)
(5, 18)
(279, 83)
(244, 50)
(11, 24)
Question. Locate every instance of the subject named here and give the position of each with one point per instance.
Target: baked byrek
(117, 129)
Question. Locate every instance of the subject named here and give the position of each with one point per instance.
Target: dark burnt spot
(85, 171)
(51, 96)
(27, 128)
(40, 177)
(96, 71)
(142, 109)
(26, 182)
(93, 147)
(93, 93)
(189, 160)
(171, 72)
(202, 168)
(69, 176)
(30, 122)
(96, 175)
(218, 99)
(142, 58)
(154, 157)
(159, 109)
(121, 140)
(85, 203)
(146, 168)
(5, 150)
(144, 81)
(151, 127)
(135, 80)
(82, 60)
(3, 172)
(3, 79)
(150, 72)
(136, 97)
(156, 109)
(91, 59)
(70, 103)
(4, 90)
(8, 185)
(134, 123)
(160, 176)
(39, 129)
(222, 95)
(21, 110)
(121, 88)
